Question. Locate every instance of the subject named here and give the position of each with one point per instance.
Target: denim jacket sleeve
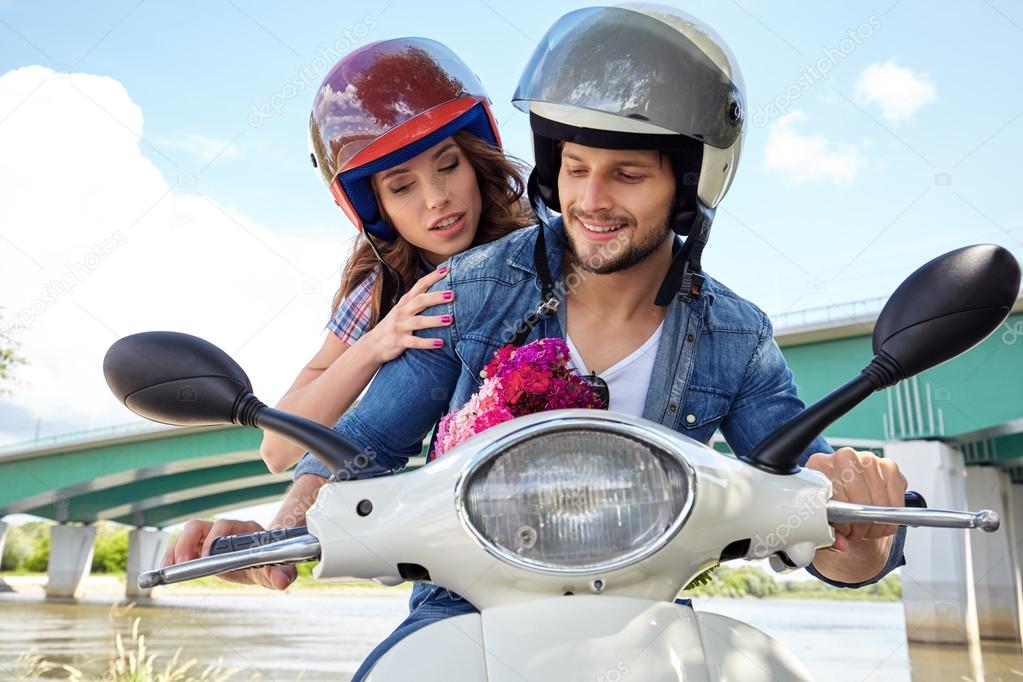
(766, 398)
(404, 401)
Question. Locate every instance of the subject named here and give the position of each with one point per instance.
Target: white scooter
(573, 531)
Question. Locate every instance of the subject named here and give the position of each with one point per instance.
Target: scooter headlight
(576, 495)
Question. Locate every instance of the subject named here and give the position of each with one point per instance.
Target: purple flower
(518, 381)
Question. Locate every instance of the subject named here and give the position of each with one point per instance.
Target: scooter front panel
(584, 638)
(450, 650)
(737, 651)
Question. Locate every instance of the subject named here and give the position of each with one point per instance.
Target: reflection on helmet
(637, 77)
(382, 105)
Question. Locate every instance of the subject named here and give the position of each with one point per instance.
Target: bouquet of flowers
(518, 381)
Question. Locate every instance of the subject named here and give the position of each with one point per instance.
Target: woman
(402, 133)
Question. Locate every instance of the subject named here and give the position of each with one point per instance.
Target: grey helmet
(640, 76)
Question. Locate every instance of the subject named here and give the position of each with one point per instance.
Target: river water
(312, 637)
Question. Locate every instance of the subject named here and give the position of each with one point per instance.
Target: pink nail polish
(445, 319)
(448, 295)
(442, 270)
(437, 343)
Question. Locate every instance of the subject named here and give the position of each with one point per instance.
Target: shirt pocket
(702, 411)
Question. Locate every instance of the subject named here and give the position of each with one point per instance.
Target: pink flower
(518, 381)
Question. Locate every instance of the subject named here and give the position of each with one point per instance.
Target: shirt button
(673, 408)
(690, 419)
(690, 337)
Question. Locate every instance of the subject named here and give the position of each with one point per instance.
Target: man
(637, 122)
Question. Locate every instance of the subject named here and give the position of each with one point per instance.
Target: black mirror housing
(946, 307)
(175, 378)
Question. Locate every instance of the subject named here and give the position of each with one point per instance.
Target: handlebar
(915, 513)
(295, 544)
(234, 543)
(292, 550)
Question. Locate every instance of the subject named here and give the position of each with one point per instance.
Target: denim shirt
(717, 365)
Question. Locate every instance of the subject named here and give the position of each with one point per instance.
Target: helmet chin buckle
(692, 285)
(682, 280)
(683, 277)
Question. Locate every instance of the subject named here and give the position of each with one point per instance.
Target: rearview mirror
(175, 378)
(946, 307)
(181, 379)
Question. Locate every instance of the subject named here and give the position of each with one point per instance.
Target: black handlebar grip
(234, 543)
(915, 499)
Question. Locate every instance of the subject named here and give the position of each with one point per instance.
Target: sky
(154, 171)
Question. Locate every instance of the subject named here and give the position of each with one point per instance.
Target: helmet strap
(391, 284)
(683, 277)
(549, 301)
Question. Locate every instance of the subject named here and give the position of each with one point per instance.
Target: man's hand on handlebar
(197, 536)
(194, 542)
(860, 550)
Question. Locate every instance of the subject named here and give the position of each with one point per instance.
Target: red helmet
(383, 104)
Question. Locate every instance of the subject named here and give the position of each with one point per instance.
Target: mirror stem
(779, 453)
(344, 459)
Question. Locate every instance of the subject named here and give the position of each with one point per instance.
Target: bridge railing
(829, 314)
(87, 436)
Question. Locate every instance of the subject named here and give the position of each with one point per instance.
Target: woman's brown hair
(504, 210)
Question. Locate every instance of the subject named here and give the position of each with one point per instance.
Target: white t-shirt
(629, 378)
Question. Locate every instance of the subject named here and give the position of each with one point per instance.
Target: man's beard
(600, 262)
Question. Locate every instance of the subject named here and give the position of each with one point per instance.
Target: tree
(8, 355)
(110, 552)
(18, 547)
(39, 532)
(387, 92)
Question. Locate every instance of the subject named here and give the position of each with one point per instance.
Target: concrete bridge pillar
(145, 550)
(71, 550)
(1016, 521)
(4, 587)
(996, 573)
(937, 581)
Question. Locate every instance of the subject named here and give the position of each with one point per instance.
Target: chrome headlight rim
(612, 425)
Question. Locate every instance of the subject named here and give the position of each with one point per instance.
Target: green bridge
(150, 476)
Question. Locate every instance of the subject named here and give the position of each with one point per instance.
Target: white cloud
(896, 90)
(98, 245)
(809, 157)
(204, 149)
(328, 99)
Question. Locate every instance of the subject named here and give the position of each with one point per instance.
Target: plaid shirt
(352, 318)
